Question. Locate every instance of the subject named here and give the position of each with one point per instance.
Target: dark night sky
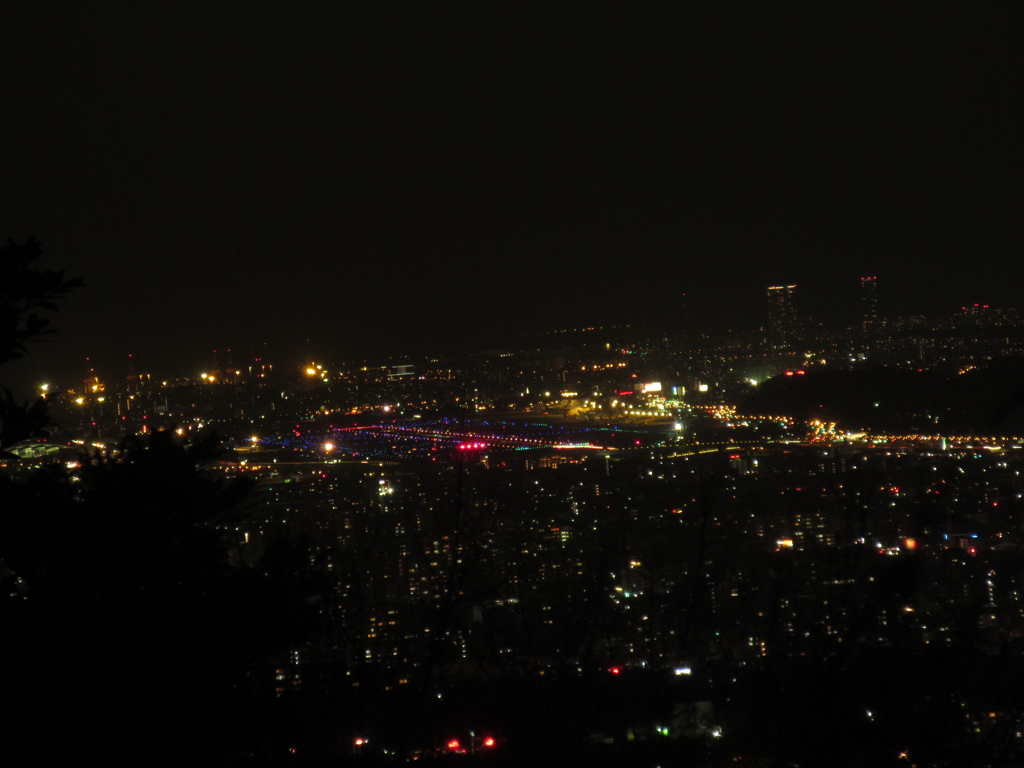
(423, 177)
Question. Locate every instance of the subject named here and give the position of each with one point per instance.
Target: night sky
(420, 177)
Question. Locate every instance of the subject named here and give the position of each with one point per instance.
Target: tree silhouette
(129, 633)
(25, 291)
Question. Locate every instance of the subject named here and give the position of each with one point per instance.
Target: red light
(800, 373)
(911, 543)
(453, 744)
(489, 741)
(616, 670)
(789, 373)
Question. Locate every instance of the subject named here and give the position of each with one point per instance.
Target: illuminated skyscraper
(782, 318)
(869, 302)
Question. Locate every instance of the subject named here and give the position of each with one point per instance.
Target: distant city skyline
(787, 317)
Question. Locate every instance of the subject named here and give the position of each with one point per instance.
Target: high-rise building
(869, 302)
(782, 318)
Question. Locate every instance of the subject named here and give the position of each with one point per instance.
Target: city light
(524, 244)
(640, 434)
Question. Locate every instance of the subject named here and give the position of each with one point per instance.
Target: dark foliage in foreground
(130, 632)
(26, 291)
